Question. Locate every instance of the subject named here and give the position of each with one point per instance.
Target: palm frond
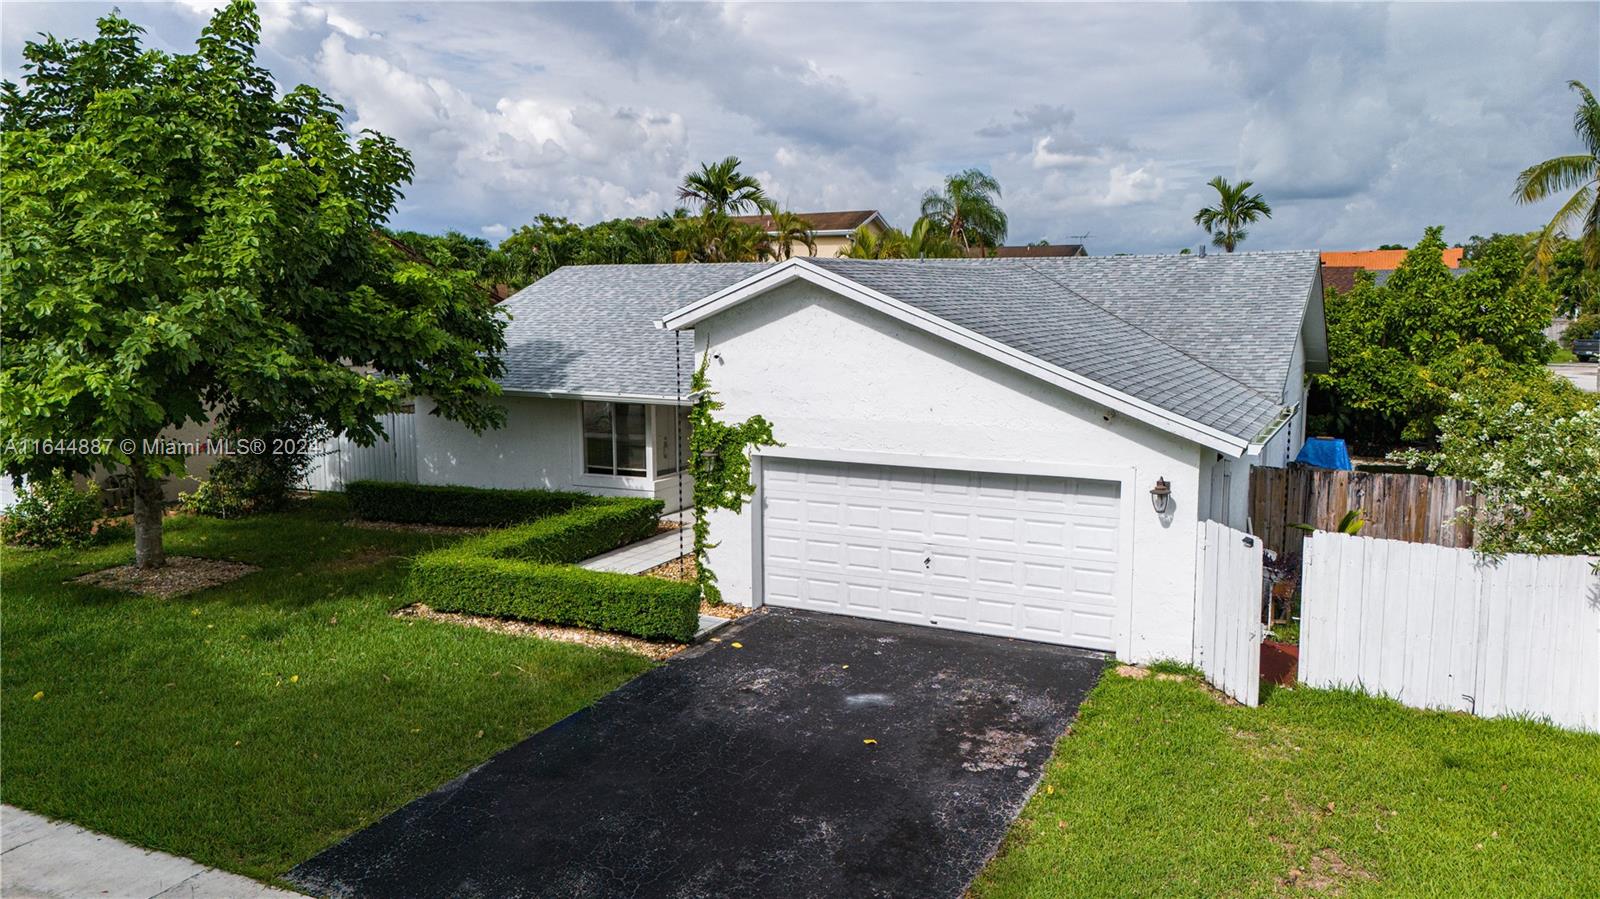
(1552, 176)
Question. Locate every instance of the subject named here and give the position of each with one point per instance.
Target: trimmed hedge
(572, 536)
(465, 506)
(518, 572)
(646, 607)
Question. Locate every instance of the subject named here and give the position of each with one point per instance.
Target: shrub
(454, 581)
(53, 512)
(573, 536)
(450, 505)
(1537, 471)
(517, 573)
(261, 481)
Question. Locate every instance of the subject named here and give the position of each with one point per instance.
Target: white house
(969, 444)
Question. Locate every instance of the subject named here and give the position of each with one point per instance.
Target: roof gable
(1022, 316)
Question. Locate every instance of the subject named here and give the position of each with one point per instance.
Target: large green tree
(1236, 209)
(182, 241)
(968, 209)
(1400, 350)
(1578, 172)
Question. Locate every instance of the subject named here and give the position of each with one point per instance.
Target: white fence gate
(1227, 627)
(1436, 627)
(341, 460)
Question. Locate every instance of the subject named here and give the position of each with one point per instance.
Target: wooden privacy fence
(1228, 631)
(1438, 627)
(1415, 508)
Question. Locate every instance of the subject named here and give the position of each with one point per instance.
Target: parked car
(1587, 350)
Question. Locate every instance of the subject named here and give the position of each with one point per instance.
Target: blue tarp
(1325, 452)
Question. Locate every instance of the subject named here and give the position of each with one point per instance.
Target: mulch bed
(683, 568)
(181, 574)
(647, 648)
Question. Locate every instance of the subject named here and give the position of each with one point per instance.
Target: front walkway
(647, 553)
(43, 858)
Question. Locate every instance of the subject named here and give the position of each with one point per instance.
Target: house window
(615, 438)
(672, 439)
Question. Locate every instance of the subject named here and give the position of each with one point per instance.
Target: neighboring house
(1029, 251)
(830, 230)
(1339, 268)
(966, 444)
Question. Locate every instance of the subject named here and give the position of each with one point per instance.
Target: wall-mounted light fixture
(1161, 496)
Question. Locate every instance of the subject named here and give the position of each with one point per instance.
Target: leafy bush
(263, 481)
(573, 536)
(517, 573)
(450, 505)
(1538, 473)
(53, 512)
(656, 609)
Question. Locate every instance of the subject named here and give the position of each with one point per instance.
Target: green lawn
(250, 725)
(1161, 790)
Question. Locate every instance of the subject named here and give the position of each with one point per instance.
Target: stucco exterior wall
(831, 374)
(1285, 445)
(537, 448)
(827, 246)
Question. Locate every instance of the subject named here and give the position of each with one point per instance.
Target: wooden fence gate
(1227, 627)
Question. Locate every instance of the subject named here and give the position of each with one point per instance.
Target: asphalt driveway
(824, 756)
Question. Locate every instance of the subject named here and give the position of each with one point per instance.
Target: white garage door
(1011, 555)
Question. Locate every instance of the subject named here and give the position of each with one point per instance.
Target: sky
(1360, 123)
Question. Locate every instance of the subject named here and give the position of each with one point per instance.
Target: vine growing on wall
(719, 459)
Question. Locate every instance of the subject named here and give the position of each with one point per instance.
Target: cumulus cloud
(1361, 123)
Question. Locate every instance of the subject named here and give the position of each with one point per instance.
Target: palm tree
(927, 240)
(868, 244)
(1562, 173)
(1236, 207)
(968, 210)
(721, 189)
(784, 230)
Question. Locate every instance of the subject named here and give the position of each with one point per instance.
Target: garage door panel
(783, 509)
(1011, 555)
(783, 549)
(1091, 537)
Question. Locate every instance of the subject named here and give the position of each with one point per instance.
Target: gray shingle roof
(1208, 338)
(591, 328)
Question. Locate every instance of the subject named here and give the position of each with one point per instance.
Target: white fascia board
(799, 269)
(602, 397)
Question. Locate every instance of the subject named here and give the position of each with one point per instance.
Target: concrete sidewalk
(647, 553)
(44, 859)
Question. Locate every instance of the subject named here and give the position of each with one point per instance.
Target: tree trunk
(148, 508)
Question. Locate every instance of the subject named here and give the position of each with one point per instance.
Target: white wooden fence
(1436, 627)
(341, 460)
(1227, 627)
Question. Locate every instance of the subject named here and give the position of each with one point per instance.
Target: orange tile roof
(1383, 260)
